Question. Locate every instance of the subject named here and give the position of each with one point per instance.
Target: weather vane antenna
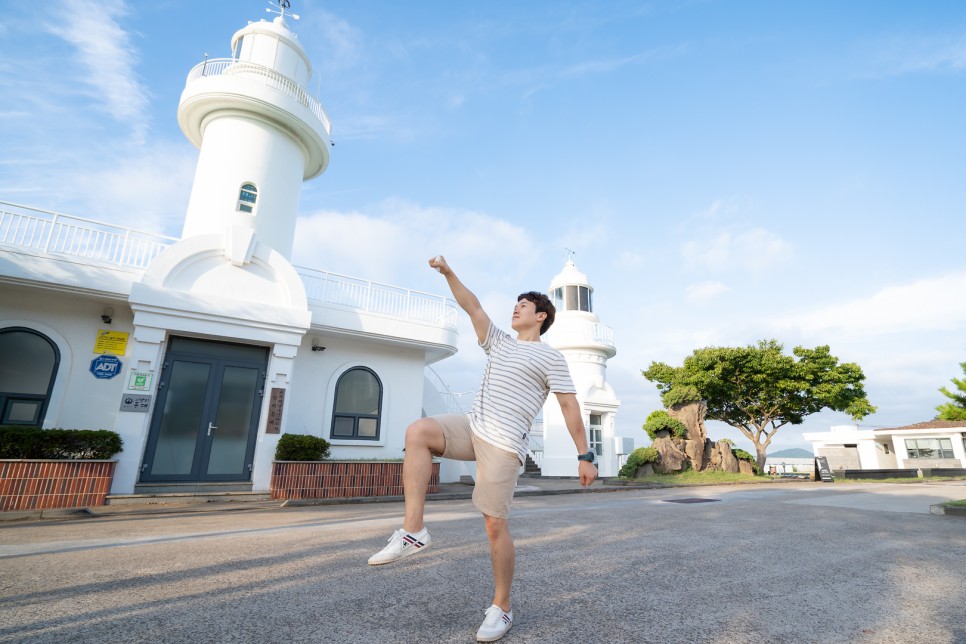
(282, 6)
(570, 254)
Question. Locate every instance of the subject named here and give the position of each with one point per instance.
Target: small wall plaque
(135, 402)
(275, 404)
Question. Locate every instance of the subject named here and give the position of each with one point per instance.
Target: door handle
(211, 426)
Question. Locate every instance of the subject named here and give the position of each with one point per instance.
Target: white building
(931, 444)
(587, 345)
(201, 351)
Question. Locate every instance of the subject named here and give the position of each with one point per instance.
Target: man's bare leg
(423, 438)
(503, 557)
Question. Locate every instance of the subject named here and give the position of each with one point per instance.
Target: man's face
(525, 316)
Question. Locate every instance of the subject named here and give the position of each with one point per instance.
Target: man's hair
(543, 305)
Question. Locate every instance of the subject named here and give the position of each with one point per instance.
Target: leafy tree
(757, 389)
(955, 410)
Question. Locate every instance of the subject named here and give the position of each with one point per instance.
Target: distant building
(930, 444)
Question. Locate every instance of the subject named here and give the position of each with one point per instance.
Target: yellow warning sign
(112, 342)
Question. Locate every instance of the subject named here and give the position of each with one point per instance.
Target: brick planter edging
(333, 479)
(27, 484)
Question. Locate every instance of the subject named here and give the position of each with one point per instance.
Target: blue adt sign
(105, 367)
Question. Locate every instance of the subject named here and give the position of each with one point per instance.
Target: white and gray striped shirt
(517, 379)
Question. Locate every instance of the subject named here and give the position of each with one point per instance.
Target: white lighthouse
(226, 295)
(261, 134)
(586, 344)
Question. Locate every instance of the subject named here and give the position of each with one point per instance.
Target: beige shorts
(496, 469)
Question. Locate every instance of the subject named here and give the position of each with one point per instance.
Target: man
(519, 375)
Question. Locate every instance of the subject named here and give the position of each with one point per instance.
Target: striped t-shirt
(517, 379)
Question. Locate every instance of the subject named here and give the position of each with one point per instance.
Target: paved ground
(790, 562)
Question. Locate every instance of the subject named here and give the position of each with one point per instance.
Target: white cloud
(145, 189)
(931, 304)
(629, 260)
(105, 50)
(394, 242)
(754, 249)
(704, 292)
(924, 54)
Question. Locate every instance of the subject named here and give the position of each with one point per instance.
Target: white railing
(267, 76)
(341, 290)
(44, 232)
(604, 334)
(455, 403)
(536, 442)
(53, 233)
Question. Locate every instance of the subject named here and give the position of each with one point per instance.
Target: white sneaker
(495, 624)
(401, 544)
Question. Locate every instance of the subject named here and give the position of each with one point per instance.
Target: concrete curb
(948, 510)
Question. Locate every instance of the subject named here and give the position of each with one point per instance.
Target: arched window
(358, 404)
(247, 197)
(28, 364)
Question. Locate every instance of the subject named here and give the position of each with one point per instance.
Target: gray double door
(206, 417)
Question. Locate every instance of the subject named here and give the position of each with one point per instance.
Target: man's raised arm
(464, 297)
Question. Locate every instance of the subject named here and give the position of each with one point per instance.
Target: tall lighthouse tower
(226, 293)
(260, 135)
(587, 345)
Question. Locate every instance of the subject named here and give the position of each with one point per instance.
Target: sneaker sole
(498, 637)
(402, 556)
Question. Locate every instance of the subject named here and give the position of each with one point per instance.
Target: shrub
(680, 395)
(660, 421)
(635, 459)
(742, 455)
(17, 441)
(301, 447)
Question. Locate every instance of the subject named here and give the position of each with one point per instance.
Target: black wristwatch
(589, 457)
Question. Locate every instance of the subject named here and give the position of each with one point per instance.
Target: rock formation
(695, 449)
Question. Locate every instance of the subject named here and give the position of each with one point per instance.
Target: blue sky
(724, 171)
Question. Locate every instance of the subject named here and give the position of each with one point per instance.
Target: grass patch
(699, 478)
(961, 503)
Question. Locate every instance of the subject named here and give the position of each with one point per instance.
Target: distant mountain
(795, 452)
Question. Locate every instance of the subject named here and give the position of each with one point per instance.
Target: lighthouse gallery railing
(268, 76)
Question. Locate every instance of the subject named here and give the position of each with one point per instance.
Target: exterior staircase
(530, 469)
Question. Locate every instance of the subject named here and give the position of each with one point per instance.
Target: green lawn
(699, 478)
(960, 503)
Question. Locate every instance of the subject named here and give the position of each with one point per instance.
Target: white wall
(79, 400)
(85, 402)
(313, 391)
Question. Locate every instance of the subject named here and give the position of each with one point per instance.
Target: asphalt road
(768, 563)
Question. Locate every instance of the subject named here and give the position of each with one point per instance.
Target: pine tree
(955, 410)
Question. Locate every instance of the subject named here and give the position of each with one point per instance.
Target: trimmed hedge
(17, 441)
(301, 447)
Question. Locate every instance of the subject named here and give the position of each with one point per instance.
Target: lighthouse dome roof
(570, 276)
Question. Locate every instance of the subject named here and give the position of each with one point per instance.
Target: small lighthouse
(260, 134)
(587, 345)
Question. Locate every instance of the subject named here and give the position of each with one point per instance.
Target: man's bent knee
(426, 433)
